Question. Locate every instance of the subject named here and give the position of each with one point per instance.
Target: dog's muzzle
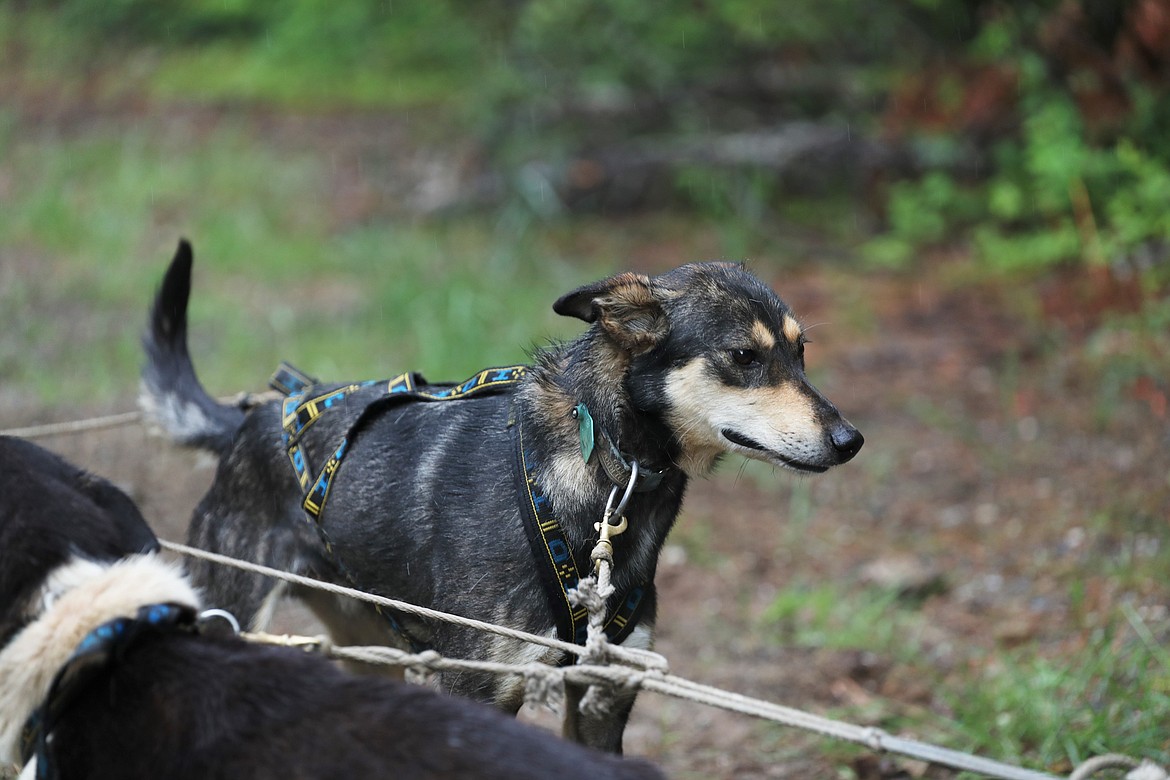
(846, 441)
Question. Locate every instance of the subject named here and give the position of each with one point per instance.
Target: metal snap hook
(607, 528)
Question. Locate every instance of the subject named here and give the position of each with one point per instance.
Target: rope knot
(419, 665)
(543, 686)
(589, 594)
(593, 595)
(599, 698)
(427, 659)
(602, 551)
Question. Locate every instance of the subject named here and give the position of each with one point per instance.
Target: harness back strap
(307, 404)
(409, 386)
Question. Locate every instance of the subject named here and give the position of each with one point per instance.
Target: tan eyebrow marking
(792, 329)
(763, 335)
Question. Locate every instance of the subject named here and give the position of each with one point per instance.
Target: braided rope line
(47, 430)
(76, 426)
(649, 672)
(640, 658)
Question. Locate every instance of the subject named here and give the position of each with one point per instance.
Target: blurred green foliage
(1053, 197)
(90, 230)
(546, 79)
(1058, 190)
(557, 80)
(304, 53)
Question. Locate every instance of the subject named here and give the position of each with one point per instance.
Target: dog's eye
(744, 357)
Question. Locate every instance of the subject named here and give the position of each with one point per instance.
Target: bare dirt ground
(999, 469)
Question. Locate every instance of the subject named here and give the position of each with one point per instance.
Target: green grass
(88, 234)
(827, 615)
(1111, 696)
(1020, 706)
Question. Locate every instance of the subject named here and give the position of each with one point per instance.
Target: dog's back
(229, 709)
(53, 512)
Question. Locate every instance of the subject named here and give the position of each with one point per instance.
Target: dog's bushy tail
(171, 397)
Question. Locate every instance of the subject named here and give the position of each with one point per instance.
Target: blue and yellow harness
(558, 567)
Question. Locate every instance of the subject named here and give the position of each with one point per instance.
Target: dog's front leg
(601, 722)
(599, 719)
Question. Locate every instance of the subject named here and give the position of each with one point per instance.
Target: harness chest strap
(561, 575)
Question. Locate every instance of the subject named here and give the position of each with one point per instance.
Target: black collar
(596, 441)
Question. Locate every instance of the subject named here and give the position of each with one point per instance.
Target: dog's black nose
(847, 440)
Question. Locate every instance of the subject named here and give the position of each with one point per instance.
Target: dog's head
(719, 358)
(54, 515)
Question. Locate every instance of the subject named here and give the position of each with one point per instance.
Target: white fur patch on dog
(640, 638)
(76, 598)
(167, 414)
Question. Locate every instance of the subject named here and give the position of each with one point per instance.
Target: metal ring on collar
(621, 507)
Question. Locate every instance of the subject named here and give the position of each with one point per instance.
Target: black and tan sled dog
(107, 674)
(481, 498)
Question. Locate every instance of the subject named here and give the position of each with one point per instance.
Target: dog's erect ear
(624, 305)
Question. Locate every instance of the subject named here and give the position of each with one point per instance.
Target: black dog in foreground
(483, 498)
(98, 638)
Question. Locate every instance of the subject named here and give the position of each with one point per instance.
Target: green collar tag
(584, 430)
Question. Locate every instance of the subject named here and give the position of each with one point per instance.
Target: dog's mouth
(751, 444)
